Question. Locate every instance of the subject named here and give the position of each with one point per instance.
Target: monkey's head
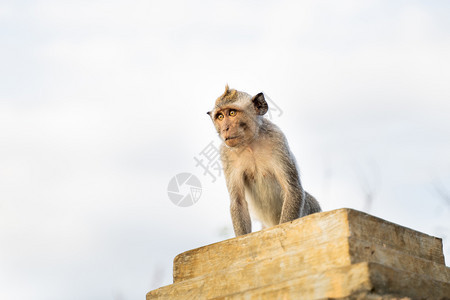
(237, 116)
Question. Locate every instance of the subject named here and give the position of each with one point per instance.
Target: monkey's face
(235, 126)
(237, 116)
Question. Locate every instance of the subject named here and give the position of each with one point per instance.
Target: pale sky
(102, 103)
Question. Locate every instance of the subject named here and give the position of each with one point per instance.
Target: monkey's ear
(260, 104)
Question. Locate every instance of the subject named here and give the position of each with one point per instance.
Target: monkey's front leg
(240, 216)
(292, 206)
(293, 195)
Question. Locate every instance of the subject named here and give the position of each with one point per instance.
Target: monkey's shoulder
(271, 133)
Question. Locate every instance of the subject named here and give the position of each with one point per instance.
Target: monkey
(261, 173)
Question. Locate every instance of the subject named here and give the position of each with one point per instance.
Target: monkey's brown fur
(260, 170)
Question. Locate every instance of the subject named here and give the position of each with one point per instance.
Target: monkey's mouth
(231, 138)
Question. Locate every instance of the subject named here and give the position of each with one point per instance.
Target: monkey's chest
(264, 196)
(257, 168)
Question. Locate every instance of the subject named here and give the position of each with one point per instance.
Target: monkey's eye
(220, 117)
(232, 112)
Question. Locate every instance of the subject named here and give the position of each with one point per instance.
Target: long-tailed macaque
(260, 170)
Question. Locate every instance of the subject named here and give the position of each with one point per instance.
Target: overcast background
(103, 102)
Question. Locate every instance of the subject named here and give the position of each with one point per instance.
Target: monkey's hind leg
(311, 205)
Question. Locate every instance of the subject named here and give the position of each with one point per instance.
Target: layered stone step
(335, 283)
(358, 281)
(334, 254)
(307, 232)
